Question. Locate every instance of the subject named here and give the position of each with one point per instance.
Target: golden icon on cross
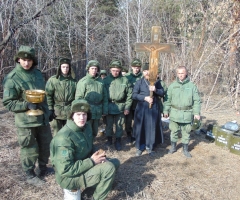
(154, 47)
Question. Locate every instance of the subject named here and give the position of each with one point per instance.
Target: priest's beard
(146, 77)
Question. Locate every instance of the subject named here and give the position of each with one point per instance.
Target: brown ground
(212, 173)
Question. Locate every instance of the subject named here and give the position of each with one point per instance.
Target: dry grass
(212, 173)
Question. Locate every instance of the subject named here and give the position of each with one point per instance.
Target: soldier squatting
(74, 109)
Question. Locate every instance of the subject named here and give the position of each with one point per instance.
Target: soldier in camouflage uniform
(162, 99)
(92, 89)
(124, 71)
(103, 74)
(119, 93)
(60, 90)
(34, 134)
(76, 166)
(132, 77)
(182, 105)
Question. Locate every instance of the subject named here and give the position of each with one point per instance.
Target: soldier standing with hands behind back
(33, 132)
(119, 93)
(91, 88)
(182, 105)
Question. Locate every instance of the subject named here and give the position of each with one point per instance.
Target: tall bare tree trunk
(234, 52)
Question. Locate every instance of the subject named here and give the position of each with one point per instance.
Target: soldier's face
(93, 71)
(65, 68)
(146, 74)
(136, 70)
(181, 74)
(25, 63)
(103, 76)
(80, 118)
(124, 73)
(115, 72)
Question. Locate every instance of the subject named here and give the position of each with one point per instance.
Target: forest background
(205, 35)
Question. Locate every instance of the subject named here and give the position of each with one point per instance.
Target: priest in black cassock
(147, 128)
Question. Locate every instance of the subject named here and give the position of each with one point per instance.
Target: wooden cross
(154, 47)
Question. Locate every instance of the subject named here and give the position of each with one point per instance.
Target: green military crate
(235, 144)
(222, 137)
(211, 132)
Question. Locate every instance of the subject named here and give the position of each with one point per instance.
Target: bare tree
(11, 25)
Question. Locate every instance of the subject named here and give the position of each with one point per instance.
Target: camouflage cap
(115, 64)
(136, 63)
(80, 105)
(103, 72)
(26, 52)
(92, 63)
(124, 69)
(145, 66)
(63, 60)
(196, 124)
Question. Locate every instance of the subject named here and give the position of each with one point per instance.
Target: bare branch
(12, 30)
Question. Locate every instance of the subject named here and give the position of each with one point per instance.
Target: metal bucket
(235, 144)
(222, 138)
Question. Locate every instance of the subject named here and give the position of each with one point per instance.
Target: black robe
(147, 128)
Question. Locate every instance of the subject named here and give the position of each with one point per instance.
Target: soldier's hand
(32, 106)
(165, 115)
(52, 115)
(126, 112)
(99, 157)
(197, 117)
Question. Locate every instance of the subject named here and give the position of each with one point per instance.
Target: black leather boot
(173, 148)
(33, 179)
(118, 144)
(129, 136)
(185, 151)
(109, 142)
(43, 170)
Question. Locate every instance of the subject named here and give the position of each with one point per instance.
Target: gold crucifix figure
(154, 47)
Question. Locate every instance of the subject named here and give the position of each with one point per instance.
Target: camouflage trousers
(128, 121)
(118, 120)
(94, 123)
(35, 145)
(185, 129)
(57, 124)
(101, 177)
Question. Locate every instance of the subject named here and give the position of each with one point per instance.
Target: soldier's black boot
(129, 135)
(33, 179)
(173, 148)
(118, 144)
(43, 170)
(185, 151)
(109, 142)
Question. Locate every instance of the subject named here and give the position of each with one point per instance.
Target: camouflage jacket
(182, 101)
(60, 94)
(70, 152)
(132, 78)
(93, 91)
(14, 98)
(162, 99)
(119, 93)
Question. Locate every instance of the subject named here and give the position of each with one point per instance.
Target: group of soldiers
(116, 98)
